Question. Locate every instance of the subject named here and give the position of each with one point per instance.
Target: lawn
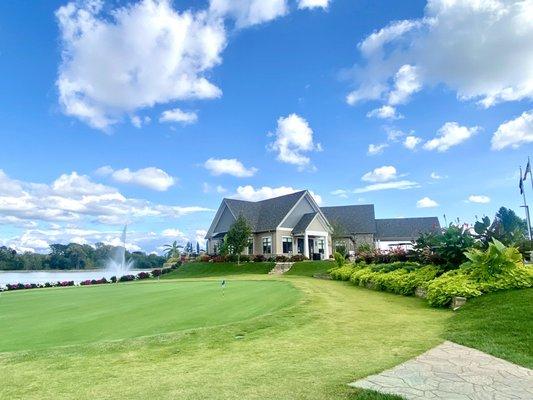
(310, 268)
(108, 312)
(333, 334)
(203, 269)
(499, 324)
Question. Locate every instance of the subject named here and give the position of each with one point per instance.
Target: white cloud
(313, 4)
(397, 185)
(173, 233)
(293, 138)
(394, 135)
(207, 188)
(249, 12)
(75, 198)
(426, 202)
(406, 82)
(384, 112)
(134, 57)
(374, 149)
(200, 237)
(150, 177)
(411, 142)
(480, 199)
(340, 193)
(381, 174)
(138, 121)
(482, 50)
(250, 193)
(514, 133)
(449, 135)
(177, 115)
(436, 176)
(230, 166)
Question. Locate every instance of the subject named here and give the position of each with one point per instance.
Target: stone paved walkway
(451, 371)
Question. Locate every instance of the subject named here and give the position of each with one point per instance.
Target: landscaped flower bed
(496, 268)
(125, 278)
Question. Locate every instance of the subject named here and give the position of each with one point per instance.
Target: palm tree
(172, 250)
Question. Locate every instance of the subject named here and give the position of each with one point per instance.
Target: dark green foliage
(172, 250)
(238, 236)
(446, 248)
(72, 256)
(506, 227)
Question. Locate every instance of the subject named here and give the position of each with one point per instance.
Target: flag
(223, 283)
(528, 169)
(521, 185)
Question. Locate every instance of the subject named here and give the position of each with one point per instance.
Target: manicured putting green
(41, 318)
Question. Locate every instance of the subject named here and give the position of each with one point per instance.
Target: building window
(287, 244)
(267, 245)
(320, 245)
(250, 245)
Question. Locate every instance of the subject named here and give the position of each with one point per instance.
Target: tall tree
(237, 237)
(507, 227)
(172, 250)
(197, 247)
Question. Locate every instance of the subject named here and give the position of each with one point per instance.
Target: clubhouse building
(295, 224)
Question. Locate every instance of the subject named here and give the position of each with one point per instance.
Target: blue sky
(149, 112)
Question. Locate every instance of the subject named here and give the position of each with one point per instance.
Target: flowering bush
(127, 278)
(143, 275)
(298, 257)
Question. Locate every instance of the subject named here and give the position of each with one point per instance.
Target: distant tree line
(73, 256)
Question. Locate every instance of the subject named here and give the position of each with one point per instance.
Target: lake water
(54, 276)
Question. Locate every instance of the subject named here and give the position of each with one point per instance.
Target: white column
(306, 245)
(326, 249)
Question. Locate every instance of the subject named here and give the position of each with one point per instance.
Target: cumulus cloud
(449, 135)
(313, 4)
(249, 12)
(76, 198)
(230, 166)
(207, 188)
(514, 133)
(138, 122)
(177, 115)
(482, 50)
(38, 240)
(250, 193)
(293, 139)
(394, 185)
(426, 202)
(480, 199)
(134, 57)
(151, 177)
(374, 149)
(381, 174)
(384, 112)
(411, 142)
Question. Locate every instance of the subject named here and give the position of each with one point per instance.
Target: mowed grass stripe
(39, 319)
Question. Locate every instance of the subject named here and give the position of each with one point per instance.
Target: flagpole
(526, 207)
(530, 174)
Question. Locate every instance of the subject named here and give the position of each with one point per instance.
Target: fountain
(117, 264)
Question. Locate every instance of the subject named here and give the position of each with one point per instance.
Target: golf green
(37, 319)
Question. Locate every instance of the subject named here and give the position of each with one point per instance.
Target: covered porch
(311, 244)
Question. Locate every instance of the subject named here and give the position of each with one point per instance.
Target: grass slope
(497, 323)
(52, 317)
(336, 333)
(310, 268)
(205, 269)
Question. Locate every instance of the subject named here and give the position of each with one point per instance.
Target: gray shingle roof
(353, 219)
(303, 223)
(405, 228)
(264, 215)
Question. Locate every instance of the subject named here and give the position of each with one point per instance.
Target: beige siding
(317, 225)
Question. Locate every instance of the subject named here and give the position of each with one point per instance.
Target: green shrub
(339, 259)
(342, 273)
(496, 268)
(451, 284)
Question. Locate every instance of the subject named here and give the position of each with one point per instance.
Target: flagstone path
(451, 371)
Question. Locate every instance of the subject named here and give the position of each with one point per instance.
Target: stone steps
(280, 268)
